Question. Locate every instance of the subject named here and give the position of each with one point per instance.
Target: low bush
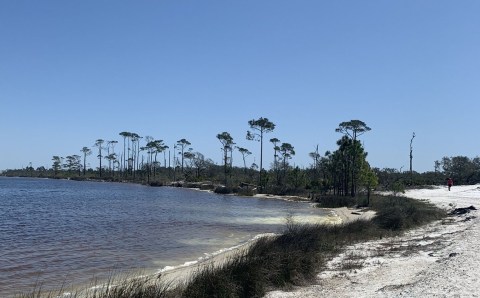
(223, 190)
(335, 201)
(401, 213)
(246, 192)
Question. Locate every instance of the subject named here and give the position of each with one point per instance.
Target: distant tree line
(463, 170)
(344, 171)
(147, 159)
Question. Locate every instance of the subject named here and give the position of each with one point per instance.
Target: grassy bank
(293, 258)
(296, 257)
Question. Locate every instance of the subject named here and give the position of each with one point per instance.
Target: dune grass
(296, 256)
(118, 286)
(292, 258)
(300, 253)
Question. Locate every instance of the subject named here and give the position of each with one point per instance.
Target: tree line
(342, 172)
(462, 169)
(150, 160)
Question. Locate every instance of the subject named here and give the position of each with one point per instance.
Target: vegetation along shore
(343, 171)
(283, 261)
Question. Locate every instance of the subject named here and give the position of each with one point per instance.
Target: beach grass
(301, 252)
(126, 285)
(280, 262)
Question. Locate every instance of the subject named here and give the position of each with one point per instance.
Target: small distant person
(449, 183)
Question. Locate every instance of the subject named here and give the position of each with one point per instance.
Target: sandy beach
(437, 260)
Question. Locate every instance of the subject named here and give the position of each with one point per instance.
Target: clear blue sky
(72, 72)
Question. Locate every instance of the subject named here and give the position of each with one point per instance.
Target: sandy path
(438, 260)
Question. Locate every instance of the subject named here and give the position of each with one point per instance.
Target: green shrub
(390, 219)
(398, 187)
(335, 201)
(401, 213)
(246, 192)
(223, 190)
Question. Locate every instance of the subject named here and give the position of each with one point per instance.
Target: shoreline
(182, 273)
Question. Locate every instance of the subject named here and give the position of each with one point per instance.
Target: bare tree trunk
(411, 157)
(261, 161)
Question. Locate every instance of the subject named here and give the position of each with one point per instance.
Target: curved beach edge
(183, 273)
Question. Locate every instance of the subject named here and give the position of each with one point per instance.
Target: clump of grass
(400, 213)
(234, 279)
(132, 288)
(352, 265)
(271, 262)
(352, 261)
(293, 258)
(117, 286)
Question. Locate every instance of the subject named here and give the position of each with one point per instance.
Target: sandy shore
(438, 260)
(182, 274)
(337, 216)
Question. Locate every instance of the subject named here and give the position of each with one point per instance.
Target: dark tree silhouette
(86, 151)
(353, 129)
(244, 152)
(411, 157)
(98, 144)
(227, 145)
(260, 127)
(182, 144)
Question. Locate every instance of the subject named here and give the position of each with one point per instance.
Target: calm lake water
(55, 232)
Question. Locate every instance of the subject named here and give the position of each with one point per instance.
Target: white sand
(336, 216)
(438, 260)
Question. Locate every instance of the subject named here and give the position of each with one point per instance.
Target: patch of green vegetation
(400, 213)
(335, 201)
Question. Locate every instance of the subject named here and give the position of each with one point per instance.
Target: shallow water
(55, 232)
